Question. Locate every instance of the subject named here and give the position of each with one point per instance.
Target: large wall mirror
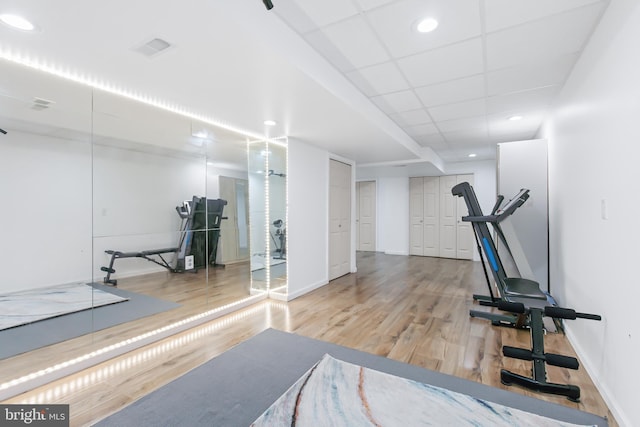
(120, 218)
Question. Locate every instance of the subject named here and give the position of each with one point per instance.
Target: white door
(448, 218)
(416, 213)
(234, 240)
(366, 216)
(431, 233)
(339, 219)
(464, 231)
(229, 226)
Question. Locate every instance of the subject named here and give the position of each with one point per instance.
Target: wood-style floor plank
(411, 309)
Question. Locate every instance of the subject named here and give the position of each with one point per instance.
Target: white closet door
(366, 216)
(416, 212)
(464, 231)
(431, 232)
(339, 219)
(448, 218)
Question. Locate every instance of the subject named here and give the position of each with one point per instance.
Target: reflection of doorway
(366, 216)
(234, 231)
(339, 219)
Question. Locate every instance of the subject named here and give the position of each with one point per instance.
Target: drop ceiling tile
(452, 91)
(440, 65)
(372, 4)
(459, 110)
(501, 14)
(499, 125)
(543, 39)
(379, 79)
(521, 102)
(421, 130)
(397, 102)
(395, 24)
(342, 43)
(469, 137)
(470, 123)
(411, 118)
(531, 76)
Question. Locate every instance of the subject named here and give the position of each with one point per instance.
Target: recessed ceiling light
(427, 25)
(472, 155)
(515, 118)
(18, 22)
(269, 123)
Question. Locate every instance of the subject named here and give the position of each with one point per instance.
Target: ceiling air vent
(40, 104)
(153, 47)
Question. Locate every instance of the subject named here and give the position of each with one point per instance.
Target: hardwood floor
(411, 309)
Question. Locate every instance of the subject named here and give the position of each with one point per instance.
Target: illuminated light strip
(44, 376)
(132, 361)
(267, 218)
(93, 82)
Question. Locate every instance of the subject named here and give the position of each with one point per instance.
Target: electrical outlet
(188, 262)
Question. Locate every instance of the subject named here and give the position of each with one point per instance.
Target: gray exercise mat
(235, 388)
(35, 335)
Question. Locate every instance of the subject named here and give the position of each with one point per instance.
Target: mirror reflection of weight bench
(201, 220)
(281, 234)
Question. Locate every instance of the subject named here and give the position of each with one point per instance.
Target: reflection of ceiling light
(269, 123)
(515, 118)
(17, 22)
(472, 155)
(427, 25)
(265, 153)
(201, 134)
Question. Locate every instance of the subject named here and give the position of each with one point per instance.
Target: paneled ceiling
(453, 89)
(352, 76)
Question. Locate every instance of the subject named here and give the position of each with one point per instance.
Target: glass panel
(268, 213)
(45, 223)
(120, 198)
(277, 175)
(159, 211)
(258, 157)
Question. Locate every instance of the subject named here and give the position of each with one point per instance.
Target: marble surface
(20, 308)
(335, 393)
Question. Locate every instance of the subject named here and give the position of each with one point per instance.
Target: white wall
(594, 147)
(308, 227)
(45, 219)
(134, 197)
(66, 203)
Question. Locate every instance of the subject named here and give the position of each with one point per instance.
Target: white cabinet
(435, 225)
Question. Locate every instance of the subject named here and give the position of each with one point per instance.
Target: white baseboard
(606, 394)
(306, 290)
(396, 252)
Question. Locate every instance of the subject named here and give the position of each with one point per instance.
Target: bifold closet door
(448, 218)
(464, 230)
(436, 228)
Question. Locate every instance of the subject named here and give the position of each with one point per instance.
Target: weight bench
(148, 255)
(520, 297)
